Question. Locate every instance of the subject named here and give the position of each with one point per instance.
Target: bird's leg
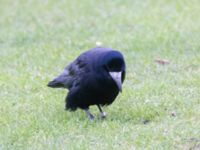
(102, 113)
(90, 116)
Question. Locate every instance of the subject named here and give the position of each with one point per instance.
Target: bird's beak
(117, 78)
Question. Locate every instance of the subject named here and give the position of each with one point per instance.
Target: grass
(160, 104)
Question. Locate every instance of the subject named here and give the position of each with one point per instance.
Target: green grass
(160, 104)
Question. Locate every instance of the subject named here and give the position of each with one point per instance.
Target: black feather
(54, 84)
(88, 79)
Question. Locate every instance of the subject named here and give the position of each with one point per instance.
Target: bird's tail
(55, 84)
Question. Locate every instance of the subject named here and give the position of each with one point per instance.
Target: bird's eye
(106, 67)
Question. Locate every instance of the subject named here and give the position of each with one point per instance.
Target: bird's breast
(102, 90)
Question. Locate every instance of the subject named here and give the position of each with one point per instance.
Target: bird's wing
(71, 74)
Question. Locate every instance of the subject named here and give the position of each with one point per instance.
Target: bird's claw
(103, 115)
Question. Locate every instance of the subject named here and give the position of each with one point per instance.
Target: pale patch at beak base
(116, 76)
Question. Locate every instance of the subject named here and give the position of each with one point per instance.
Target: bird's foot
(91, 117)
(103, 115)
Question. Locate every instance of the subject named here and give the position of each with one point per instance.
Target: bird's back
(79, 67)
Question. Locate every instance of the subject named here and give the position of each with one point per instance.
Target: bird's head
(114, 65)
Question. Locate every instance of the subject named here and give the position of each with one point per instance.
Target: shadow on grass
(135, 115)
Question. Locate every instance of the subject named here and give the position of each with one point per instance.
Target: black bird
(94, 78)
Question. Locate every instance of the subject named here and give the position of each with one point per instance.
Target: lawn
(160, 104)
